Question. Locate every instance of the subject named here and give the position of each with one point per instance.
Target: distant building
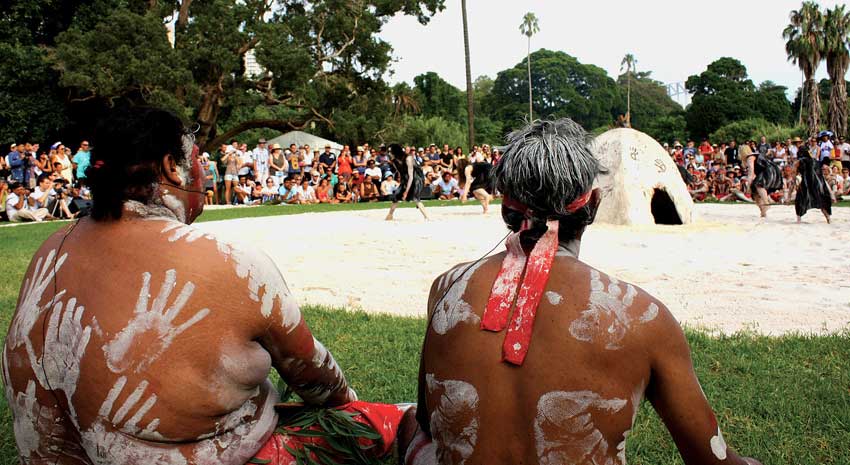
(252, 68)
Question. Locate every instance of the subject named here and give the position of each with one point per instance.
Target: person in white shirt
(445, 188)
(307, 193)
(44, 196)
(17, 209)
(389, 186)
(260, 156)
(845, 153)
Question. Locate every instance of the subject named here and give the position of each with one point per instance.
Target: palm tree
(804, 43)
(529, 27)
(470, 118)
(629, 63)
(837, 60)
(403, 99)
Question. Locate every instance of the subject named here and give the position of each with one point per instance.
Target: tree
(320, 60)
(836, 28)
(771, 102)
(404, 99)
(804, 43)
(721, 94)
(650, 99)
(629, 63)
(470, 112)
(439, 98)
(563, 87)
(529, 27)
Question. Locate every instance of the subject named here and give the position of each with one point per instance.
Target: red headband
(574, 206)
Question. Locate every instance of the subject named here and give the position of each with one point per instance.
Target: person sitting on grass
(532, 356)
(342, 194)
(138, 339)
(445, 188)
(324, 193)
(368, 191)
(288, 193)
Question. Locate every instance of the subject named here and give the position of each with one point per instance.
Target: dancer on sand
(139, 339)
(475, 178)
(812, 192)
(764, 177)
(494, 387)
(410, 179)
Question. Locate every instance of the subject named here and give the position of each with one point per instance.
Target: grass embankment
(783, 400)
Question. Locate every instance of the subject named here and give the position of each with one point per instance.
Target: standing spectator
(16, 162)
(793, 147)
(825, 147)
(261, 161)
(42, 163)
(309, 163)
(433, 159)
(231, 173)
(731, 153)
(845, 152)
(360, 161)
(82, 161)
(763, 147)
(246, 162)
(210, 179)
(296, 160)
(16, 206)
(4, 194)
(344, 166)
(383, 160)
(689, 149)
(278, 165)
(328, 161)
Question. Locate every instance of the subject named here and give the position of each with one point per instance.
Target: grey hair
(546, 165)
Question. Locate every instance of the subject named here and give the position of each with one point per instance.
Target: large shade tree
(836, 29)
(322, 62)
(804, 45)
(563, 87)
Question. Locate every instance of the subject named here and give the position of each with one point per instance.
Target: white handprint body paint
(65, 344)
(316, 393)
(621, 448)
(454, 420)
(262, 275)
(564, 431)
(554, 298)
(30, 307)
(185, 232)
(718, 445)
(125, 351)
(452, 309)
(109, 441)
(607, 317)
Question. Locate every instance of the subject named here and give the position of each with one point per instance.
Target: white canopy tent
(301, 138)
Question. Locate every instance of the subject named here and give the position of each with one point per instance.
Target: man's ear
(169, 173)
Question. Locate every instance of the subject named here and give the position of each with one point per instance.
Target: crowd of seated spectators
(271, 174)
(39, 185)
(719, 172)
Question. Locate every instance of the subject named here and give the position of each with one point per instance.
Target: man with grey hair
(496, 388)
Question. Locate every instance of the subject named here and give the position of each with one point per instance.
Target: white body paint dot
(718, 445)
(554, 298)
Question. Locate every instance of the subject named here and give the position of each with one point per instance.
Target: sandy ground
(726, 272)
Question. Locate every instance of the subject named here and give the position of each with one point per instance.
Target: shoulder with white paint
(447, 305)
(614, 309)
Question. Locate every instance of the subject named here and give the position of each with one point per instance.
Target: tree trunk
(838, 99)
(470, 116)
(629, 97)
(530, 110)
(280, 125)
(813, 107)
(208, 113)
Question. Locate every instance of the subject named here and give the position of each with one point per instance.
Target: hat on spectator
(420, 149)
(388, 174)
(262, 140)
(274, 147)
(797, 139)
(314, 173)
(56, 145)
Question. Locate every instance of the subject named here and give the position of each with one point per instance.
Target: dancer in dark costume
(764, 178)
(812, 191)
(475, 178)
(410, 180)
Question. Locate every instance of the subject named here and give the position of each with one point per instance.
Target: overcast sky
(673, 39)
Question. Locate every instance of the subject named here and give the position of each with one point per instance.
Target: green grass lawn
(783, 400)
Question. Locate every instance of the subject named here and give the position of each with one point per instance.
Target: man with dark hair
(18, 208)
(491, 389)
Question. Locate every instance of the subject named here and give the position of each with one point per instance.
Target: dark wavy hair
(126, 158)
(547, 165)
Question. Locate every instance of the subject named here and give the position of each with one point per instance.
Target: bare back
(593, 355)
(153, 345)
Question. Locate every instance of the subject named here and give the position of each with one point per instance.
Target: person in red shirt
(344, 166)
